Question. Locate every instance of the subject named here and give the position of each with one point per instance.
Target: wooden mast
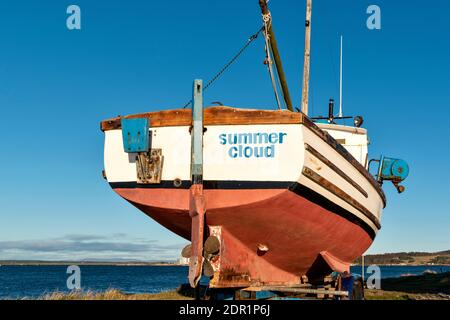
(340, 81)
(276, 57)
(307, 59)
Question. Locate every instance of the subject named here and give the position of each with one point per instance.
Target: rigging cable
(226, 66)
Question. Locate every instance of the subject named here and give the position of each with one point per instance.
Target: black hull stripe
(295, 187)
(329, 205)
(207, 184)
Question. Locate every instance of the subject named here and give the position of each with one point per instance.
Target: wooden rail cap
(212, 116)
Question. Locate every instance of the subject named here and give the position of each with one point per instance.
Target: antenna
(340, 82)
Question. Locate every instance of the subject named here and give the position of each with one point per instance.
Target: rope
(235, 57)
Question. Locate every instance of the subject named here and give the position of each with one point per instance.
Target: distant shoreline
(400, 259)
(88, 263)
(156, 264)
(404, 265)
(441, 258)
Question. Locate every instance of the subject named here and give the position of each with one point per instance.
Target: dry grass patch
(114, 294)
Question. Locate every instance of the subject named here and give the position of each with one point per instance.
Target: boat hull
(284, 198)
(303, 234)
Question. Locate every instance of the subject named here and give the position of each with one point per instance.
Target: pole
(307, 58)
(276, 57)
(197, 133)
(340, 82)
(362, 266)
(197, 205)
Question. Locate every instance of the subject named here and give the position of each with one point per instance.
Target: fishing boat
(266, 197)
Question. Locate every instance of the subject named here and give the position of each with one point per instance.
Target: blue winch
(391, 169)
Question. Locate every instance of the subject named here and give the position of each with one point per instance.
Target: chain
(236, 56)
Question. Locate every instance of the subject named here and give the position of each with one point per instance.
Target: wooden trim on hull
(347, 155)
(295, 187)
(235, 116)
(332, 166)
(338, 192)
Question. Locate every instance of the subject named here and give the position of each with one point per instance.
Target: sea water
(34, 281)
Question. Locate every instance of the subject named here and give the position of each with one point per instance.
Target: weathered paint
(295, 229)
(197, 205)
(393, 169)
(135, 135)
(259, 202)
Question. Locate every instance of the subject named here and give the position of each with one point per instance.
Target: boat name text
(252, 145)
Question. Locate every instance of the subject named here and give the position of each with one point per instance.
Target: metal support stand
(197, 206)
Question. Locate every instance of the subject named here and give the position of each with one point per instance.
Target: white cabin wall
(355, 142)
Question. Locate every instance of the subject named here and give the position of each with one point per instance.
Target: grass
(424, 287)
(430, 283)
(114, 294)
(385, 295)
(395, 295)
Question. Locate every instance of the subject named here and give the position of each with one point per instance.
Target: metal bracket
(149, 166)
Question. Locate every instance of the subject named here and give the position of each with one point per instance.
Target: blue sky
(56, 85)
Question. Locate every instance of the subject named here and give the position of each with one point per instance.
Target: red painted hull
(303, 237)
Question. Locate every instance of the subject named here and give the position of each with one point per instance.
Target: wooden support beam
(197, 134)
(197, 206)
(298, 290)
